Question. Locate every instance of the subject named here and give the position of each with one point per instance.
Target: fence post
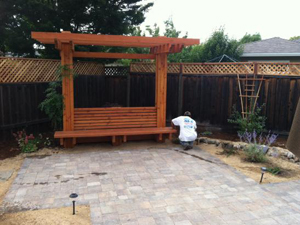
(255, 67)
(128, 89)
(1, 106)
(180, 90)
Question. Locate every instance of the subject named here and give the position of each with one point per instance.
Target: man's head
(187, 113)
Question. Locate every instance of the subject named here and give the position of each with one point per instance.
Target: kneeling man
(188, 128)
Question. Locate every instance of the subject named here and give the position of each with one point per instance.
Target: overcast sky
(270, 18)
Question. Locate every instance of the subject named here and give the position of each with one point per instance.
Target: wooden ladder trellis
(249, 88)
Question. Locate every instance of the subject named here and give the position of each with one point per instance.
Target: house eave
(270, 55)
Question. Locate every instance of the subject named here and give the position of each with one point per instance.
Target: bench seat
(115, 133)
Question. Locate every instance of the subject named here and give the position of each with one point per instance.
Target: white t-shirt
(187, 128)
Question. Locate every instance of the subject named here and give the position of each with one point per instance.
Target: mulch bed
(232, 136)
(8, 149)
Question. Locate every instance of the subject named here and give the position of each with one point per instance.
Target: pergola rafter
(76, 122)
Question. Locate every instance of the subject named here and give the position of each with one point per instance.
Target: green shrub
(229, 151)
(274, 170)
(53, 105)
(254, 153)
(254, 122)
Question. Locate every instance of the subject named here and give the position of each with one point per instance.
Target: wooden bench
(115, 122)
(114, 133)
(114, 117)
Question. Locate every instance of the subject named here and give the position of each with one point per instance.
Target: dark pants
(187, 143)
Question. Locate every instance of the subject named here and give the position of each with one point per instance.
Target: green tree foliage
(153, 32)
(250, 38)
(294, 38)
(218, 44)
(171, 31)
(78, 16)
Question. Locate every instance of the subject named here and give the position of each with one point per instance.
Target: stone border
(271, 151)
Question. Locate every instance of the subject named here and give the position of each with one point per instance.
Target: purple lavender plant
(248, 137)
(251, 138)
(261, 139)
(272, 139)
(240, 136)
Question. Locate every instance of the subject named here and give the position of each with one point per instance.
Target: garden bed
(231, 135)
(288, 170)
(58, 216)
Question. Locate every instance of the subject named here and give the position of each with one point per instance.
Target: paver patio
(154, 186)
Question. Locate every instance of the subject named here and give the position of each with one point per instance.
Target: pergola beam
(107, 55)
(110, 40)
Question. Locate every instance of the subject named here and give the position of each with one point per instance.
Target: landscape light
(263, 170)
(73, 196)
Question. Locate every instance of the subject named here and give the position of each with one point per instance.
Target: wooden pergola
(117, 123)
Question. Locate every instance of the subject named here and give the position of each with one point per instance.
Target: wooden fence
(262, 68)
(23, 70)
(209, 97)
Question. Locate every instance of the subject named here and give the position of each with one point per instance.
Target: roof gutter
(270, 54)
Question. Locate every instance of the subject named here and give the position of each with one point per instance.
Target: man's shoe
(186, 148)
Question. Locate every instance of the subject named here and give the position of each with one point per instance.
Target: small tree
(53, 105)
(253, 122)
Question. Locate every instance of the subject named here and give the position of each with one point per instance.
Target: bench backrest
(114, 117)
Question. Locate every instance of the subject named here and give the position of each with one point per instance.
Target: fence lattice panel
(218, 68)
(263, 68)
(151, 67)
(89, 68)
(21, 70)
(279, 69)
(116, 70)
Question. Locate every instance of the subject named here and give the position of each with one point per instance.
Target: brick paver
(154, 186)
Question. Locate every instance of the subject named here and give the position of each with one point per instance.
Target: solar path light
(263, 170)
(73, 196)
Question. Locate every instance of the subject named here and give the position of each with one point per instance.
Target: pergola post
(161, 88)
(66, 54)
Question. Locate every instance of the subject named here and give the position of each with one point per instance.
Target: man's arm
(175, 122)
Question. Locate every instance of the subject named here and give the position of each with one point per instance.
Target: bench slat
(113, 127)
(115, 117)
(115, 108)
(126, 120)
